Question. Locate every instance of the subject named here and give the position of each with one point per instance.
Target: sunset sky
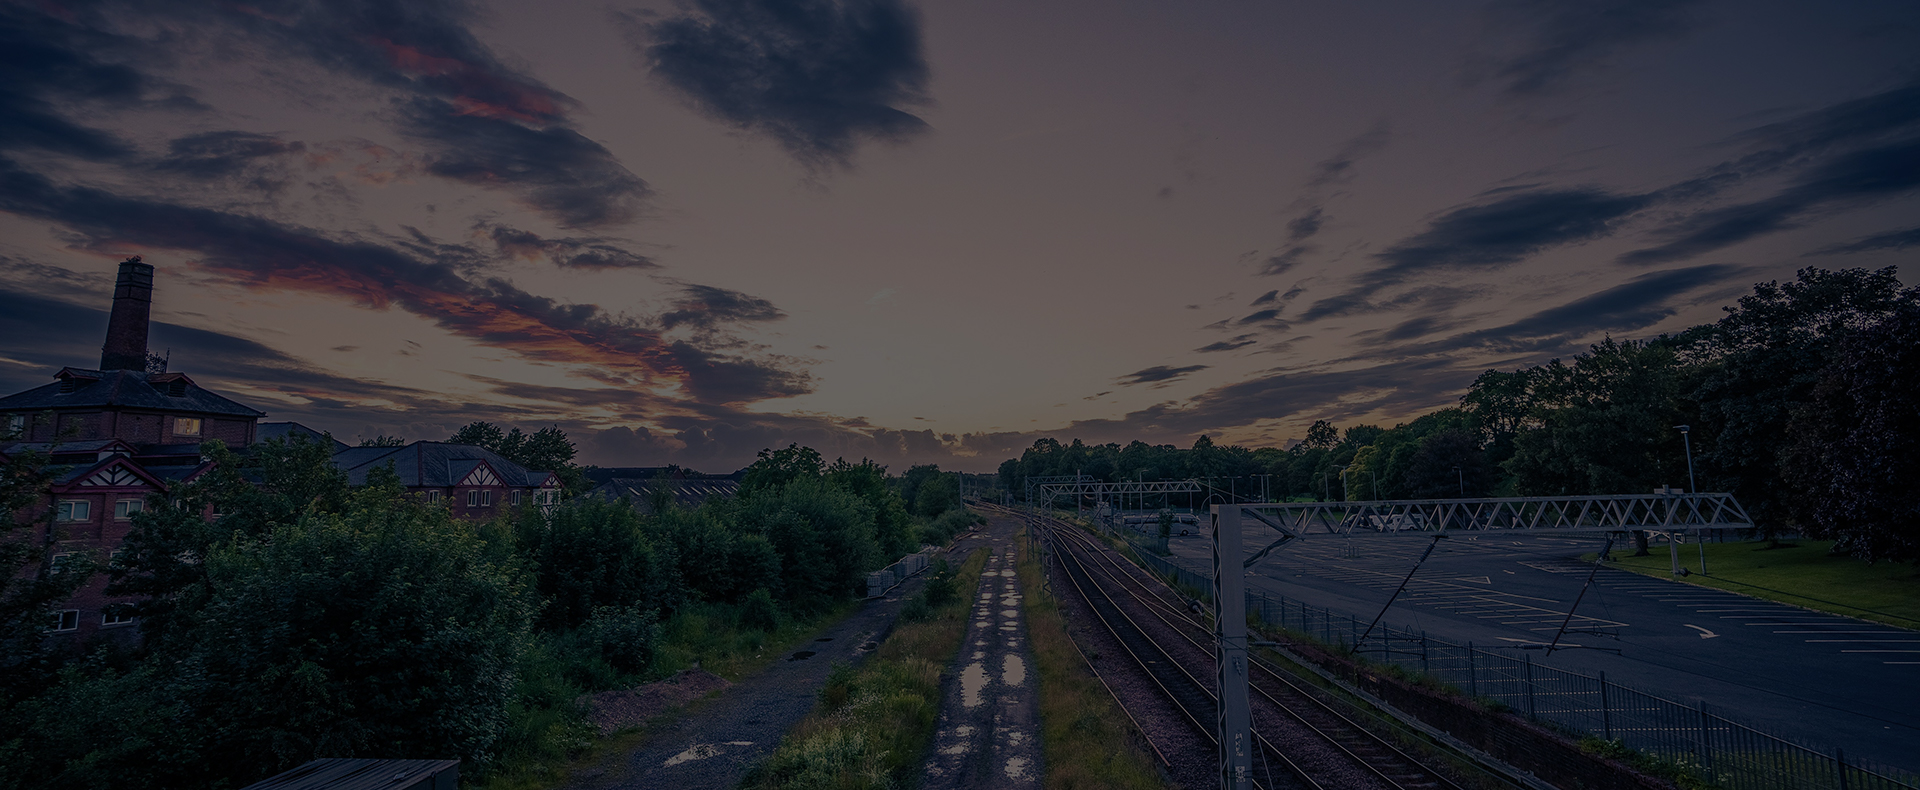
(924, 232)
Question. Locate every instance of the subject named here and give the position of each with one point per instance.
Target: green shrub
(626, 637)
(758, 611)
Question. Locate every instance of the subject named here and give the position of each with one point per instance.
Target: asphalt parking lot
(1821, 679)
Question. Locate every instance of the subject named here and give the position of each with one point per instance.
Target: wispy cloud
(1158, 375)
(1891, 240)
(1559, 42)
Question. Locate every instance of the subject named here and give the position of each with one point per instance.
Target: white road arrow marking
(1704, 633)
(1475, 579)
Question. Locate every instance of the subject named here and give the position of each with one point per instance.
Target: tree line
(286, 615)
(1800, 401)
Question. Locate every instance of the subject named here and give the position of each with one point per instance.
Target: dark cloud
(220, 154)
(1891, 240)
(1158, 374)
(1507, 230)
(1880, 116)
(572, 179)
(816, 76)
(1562, 40)
(571, 253)
(483, 123)
(1270, 315)
(1285, 261)
(1857, 176)
(1629, 307)
(48, 64)
(1238, 341)
(1266, 298)
(705, 307)
(260, 253)
(1336, 306)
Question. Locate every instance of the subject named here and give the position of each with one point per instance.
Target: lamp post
(1462, 477)
(1344, 495)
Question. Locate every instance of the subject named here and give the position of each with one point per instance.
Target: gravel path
(715, 742)
(987, 737)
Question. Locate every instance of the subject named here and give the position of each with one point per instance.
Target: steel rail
(1187, 621)
(1270, 750)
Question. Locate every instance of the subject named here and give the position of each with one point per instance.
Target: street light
(1344, 495)
(1462, 476)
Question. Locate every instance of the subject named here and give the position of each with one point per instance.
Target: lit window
(66, 620)
(125, 508)
(186, 426)
(75, 510)
(115, 616)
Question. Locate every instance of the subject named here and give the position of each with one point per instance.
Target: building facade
(127, 431)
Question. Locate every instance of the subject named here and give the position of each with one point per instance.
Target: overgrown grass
(547, 729)
(1801, 573)
(872, 725)
(1086, 740)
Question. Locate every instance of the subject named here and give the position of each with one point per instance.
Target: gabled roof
(115, 472)
(284, 430)
(135, 389)
(83, 446)
(432, 464)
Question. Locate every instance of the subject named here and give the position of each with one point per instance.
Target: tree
(1763, 360)
(383, 440)
(774, 469)
(30, 585)
(1321, 436)
(591, 553)
(1605, 423)
(1854, 448)
(545, 450)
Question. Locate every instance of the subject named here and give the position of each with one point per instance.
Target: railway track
(1302, 740)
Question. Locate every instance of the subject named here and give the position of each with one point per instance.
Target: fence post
(1530, 709)
(1840, 765)
(1606, 716)
(1706, 742)
(1426, 666)
(1473, 673)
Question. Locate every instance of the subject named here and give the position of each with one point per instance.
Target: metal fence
(1713, 748)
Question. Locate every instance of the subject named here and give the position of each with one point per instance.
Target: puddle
(1016, 768)
(973, 680)
(801, 656)
(1013, 670)
(700, 751)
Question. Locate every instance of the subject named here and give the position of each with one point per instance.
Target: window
(514, 498)
(177, 388)
(125, 508)
(66, 620)
(186, 426)
(473, 499)
(433, 496)
(16, 424)
(115, 615)
(478, 498)
(486, 498)
(75, 510)
(59, 561)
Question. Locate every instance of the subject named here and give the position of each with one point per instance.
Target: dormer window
(177, 388)
(69, 386)
(186, 426)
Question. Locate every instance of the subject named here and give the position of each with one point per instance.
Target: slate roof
(124, 389)
(432, 464)
(284, 430)
(687, 493)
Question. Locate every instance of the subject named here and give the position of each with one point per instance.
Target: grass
(1086, 739)
(872, 724)
(1801, 573)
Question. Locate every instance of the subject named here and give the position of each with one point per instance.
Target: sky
(924, 232)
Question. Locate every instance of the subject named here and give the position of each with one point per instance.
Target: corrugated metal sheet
(345, 773)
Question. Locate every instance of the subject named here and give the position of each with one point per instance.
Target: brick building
(129, 430)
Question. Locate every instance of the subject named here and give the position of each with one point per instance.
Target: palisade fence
(1722, 752)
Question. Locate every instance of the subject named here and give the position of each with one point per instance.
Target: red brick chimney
(126, 347)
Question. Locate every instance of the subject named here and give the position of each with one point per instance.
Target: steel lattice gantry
(1036, 482)
(1613, 513)
(1049, 491)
